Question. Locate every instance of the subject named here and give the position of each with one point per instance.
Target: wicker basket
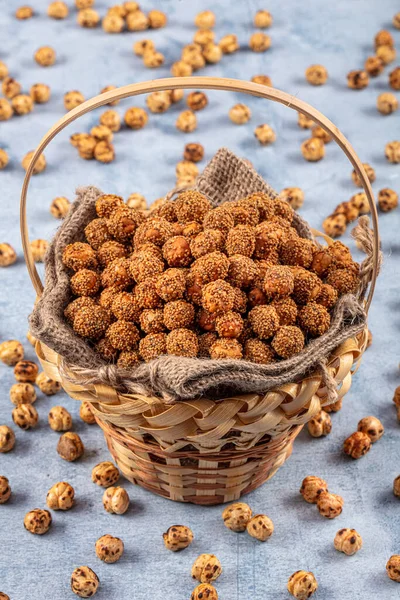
(205, 451)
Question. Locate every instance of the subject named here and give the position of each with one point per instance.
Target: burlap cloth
(226, 178)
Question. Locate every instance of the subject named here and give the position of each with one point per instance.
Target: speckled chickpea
(73, 99)
(109, 88)
(6, 110)
(334, 407)
(59, 419)
(86, 413)
(202, 37)
(10, 87)
(204, 590)
(212, 53)
(265, 134)
(45, 56)
(88, 18)
(22, 393)
(313, 149)
(111, 119)
(40, 93)
(206, 568)
(158, 102)
(177, 537)
(320, 425)
(205, 20)
(70, 446)
(393, 568)
(262, 79)
(26, 371)
(3, 70)
(357, 80)
(229, 44)
(372, 427)
(196, 100)
(181, 68)
(236, 516)
(113, 23)
(5, 492)
(109, 549)
(387, 103)
(104, 152)
(396, 486)
(11, 351)
(142, 46)
(157, 19)
(370, 171)
(81, 4)
(22, 104)
(392, 152)
(57, 10)
(39, 249)
(396, 20)
(329, 505)
(312, 487)
(7, 439)
(357, 444)
(240, 114)
(39, 166)
(59, 207)
(302, 585)
(259, 42)
(25, 416)
(193, 152)
(262, 19)
(37, 521)
(386, 54)
(116, 500)
(136, 117)
(136, 21)
(152, 59)
(84, 582)
(316, 75)
(294, 196)
(319, 132)
(8, 256)
(105, 474)
(348, 541)
(186, 121)
(335, 225)
(24, 12)
(374, 66)
(60, 496)
(260, 527)
(387, 200)
(304, 122)
(47, 386)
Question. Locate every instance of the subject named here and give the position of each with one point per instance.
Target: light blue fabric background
(340, 36)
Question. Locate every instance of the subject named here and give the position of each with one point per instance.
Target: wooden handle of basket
(210, 83)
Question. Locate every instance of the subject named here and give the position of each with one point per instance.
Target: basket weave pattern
(205, 451)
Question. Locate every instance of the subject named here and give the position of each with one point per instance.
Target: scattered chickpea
(329, 505)
(136, 117)
(240, 114)
(319, 132)
(73, 99)
(24, 12)
(82, 4)
(372, 427)
(393, 568)
(22, 104)
(396, 20)
(10, 87)
(116, 500)
(3, 159)
(357, 80)
(396, 486)
(374, 66)
(57, 10)
(293, 196)
(229, 44)
(206, 568)
(143, 46)
(8, 256)
(109, 88)
(22, 393)
(316, 75)
(387, 103)
(193, 152)
(109, 549)
(186, 121)
(212, 53)
(262, 19)
(137, 21)
(357, 444)
(59, 207)
(320, 425)
(312, 487)
(259, 42)
(384, 38)
(177, 537)
(70, 446)
(39, 249)
(265, 134)
(59, 419)
(260, 527)
(3, 70)
(60, 496)
(11, 351)
(302, 585)
(104, 152)
(313, 149)
(262, 80)
(186, 169)
(88, 18)
(37, 521)
(5, 492)
(25, 416)
(157, 19)
(205, 20)
(84, 582)
(45, 56)
(386, 54)
(204, 590)
(105, 474)
(47, 386)
(335, 225)
(111, 119)
(158, 102)
(392, 152)
(86, 413)
(236, 516)
(387, 200)
(113, 23)
(26, 371)
(196, 100)
(203, 37)
(39, 166)
(348, 541)
(370, 171)
(40, 93)
(181, 68)
(7, 439)
(304, 122)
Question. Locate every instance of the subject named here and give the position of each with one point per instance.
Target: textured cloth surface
(39, 568)
(225, 179)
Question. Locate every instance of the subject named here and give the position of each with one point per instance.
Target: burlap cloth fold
(226, 178)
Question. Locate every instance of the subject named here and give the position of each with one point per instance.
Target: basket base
(204, 479)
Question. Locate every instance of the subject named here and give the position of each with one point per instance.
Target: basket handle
(209, 83)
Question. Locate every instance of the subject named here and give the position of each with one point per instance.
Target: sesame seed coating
(156, 230)
(171, 285)
(340, 254)
(206, 241)
(344, 281)
(143, 265)
(241, 240)
(229, 325)
(307, 285)
(239, 300)
(91, 321)
(327, 296)
(123, 223)
(146, 294)
(286, 309)
(218, 296)
(176, 251)
(242, 271)
(125, 307)
(152, 346)
(257, 297)
(167, 211)
(152, 320)
(190, 230)
(226, 348)
(219, 218)
(206, 340)
(297, 252)
(128, 358)
(78, 256)
(288, 341)
(85, 283)
(123, 335)
(106, 350)
(244, 214)
(107, 204)
(314, 319)
(178, 314)
(182, 342)
(191, 206)
(109, 251)
(283, 209)
(107, 297)
(264, 321)
(258, 352)
(117, 274)
(97, 233)
(268, 239)
(321, 262)
(278, 282)
(73, 307)
(211, 267)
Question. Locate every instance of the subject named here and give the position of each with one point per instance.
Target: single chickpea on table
(387, 103)
(84, 582)
(5, 491)
(70, 446)
(109, 549)
(116, 500)
(7, 439)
